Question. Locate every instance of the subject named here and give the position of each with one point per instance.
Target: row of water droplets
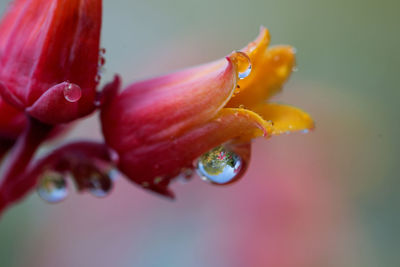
(100, 65)
(53, 186)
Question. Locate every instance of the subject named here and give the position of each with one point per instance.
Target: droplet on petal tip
(219, 166)
(243, 62)
(52, 187)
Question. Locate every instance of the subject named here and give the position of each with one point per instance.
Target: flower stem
(12, 179)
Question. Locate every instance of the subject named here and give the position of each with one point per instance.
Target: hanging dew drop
(243, 63)
(246, 73)
(72, 92)
(100, 185)
(52, 187)
(219, 166)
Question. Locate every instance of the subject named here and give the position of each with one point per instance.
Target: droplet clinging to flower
(219, 166)
(72, 92)
(243, 62)
(52, 187)
(99, 185)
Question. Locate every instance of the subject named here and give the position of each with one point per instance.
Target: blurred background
(329, 198)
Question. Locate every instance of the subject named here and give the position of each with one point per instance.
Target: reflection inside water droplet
(72, 92)
(246, 73)
(52, 187)
(99, 185)
(219, 166)
(243, 63)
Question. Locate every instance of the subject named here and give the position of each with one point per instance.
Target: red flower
(160, 126)
(49, 52)
(49, 64)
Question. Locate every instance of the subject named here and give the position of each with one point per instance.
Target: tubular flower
(49, 54)
(159, 127)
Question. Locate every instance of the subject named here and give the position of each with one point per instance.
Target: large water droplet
(243, 63)
(72, 92)
(185, 175)
(219, 166)
(99, 185)
(52, 187)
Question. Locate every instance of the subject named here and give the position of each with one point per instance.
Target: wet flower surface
(162, 125)
(155, 130)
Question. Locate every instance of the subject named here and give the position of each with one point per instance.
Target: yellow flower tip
(270, 70)
(282, 59)
(260, 44)
(285, 118)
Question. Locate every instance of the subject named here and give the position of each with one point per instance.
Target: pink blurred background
(328, 198)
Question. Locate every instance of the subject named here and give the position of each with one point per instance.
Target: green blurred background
(329, 198)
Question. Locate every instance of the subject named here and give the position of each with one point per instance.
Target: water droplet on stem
(52, 187)
(99, 185)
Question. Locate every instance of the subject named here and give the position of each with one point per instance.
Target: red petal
(162, 108)
(53, 107)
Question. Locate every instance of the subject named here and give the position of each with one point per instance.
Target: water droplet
(295, 69)
(52, 187)
(102, 61)
(72, 92)
(185, 175)
(113, 155)
(102, 51)
(243, 62)
(97, 78)
(113, 174)
(99, 185)
(305, 131)
(219, 166)
(97, 103)
(157, 180)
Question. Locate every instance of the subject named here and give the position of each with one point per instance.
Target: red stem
(18, 160)
(58, 158)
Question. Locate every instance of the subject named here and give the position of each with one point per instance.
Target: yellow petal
(242, 124)
(285, 118)
(270, 69)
